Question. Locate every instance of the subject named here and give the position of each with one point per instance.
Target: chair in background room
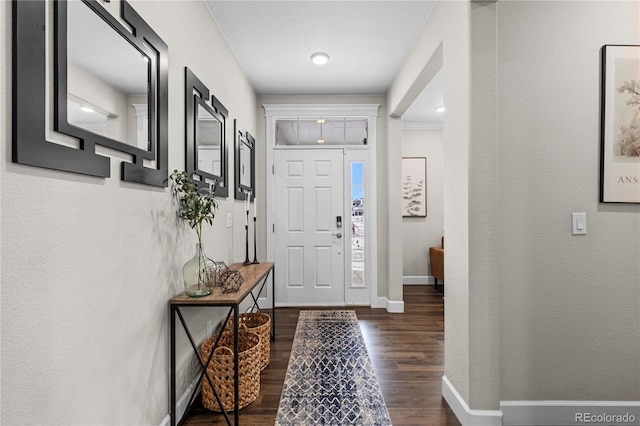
(436, 257)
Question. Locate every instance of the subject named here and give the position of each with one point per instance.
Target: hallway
(407, 352)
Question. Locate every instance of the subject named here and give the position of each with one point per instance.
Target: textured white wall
(420, 233)
(570, 305)
(484, 285)
(89, 264)
(393, 209)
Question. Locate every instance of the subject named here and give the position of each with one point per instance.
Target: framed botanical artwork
(414, 187)
(620, 125)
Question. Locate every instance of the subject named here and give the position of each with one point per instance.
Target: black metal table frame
(233, 308)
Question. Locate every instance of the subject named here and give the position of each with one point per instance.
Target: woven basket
(259, 323)
(220, 370)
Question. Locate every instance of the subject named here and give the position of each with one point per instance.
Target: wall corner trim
(466, 415)
(569, 412)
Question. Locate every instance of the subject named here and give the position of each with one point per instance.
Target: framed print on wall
(414, 187)
(620, 125)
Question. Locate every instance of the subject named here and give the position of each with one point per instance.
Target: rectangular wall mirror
(245, 160)
(110, 89)
(205, 137)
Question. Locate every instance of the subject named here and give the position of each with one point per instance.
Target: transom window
(322, 131)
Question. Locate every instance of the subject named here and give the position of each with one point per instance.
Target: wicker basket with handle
(220, 370)
(259, 323)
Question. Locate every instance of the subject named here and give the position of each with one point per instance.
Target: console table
(255, 275)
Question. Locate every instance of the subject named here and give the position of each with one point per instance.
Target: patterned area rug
(330, 379)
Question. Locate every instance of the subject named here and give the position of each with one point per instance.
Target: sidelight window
(357, 224)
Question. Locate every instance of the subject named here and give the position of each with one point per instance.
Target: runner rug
(330, 379)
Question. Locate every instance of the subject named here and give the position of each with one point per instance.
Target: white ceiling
(367, 42)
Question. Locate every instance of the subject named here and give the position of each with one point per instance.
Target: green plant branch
(195, 207)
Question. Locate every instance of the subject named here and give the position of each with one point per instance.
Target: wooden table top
(252, 274)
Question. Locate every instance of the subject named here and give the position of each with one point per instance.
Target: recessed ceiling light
(439, 108)
(320, 120)
(319, 58)
(320, 141)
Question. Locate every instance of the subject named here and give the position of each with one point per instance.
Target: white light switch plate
(578, 223)
(229, 220)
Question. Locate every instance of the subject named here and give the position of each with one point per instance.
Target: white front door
(309, 243)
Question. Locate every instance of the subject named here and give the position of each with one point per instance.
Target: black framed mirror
(110, 89)
(245, 162)
(205, 136)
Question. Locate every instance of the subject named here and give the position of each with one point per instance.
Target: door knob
(339, 235)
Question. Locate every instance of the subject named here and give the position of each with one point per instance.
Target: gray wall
(570, 305)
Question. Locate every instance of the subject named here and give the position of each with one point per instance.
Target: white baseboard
(418, 280)
(395, 307)
(570, 412)
(181, 404)
(466, 415)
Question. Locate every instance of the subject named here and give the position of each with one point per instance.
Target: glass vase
(199, 274)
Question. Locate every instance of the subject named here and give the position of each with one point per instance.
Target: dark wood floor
(407, 352)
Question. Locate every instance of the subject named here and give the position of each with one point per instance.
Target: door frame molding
(370, 111)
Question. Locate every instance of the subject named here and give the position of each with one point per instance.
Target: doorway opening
(423, 161)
